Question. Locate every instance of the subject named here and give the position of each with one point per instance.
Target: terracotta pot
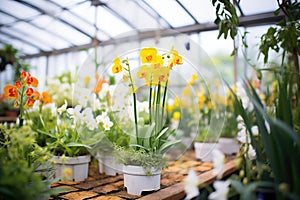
(136, 181)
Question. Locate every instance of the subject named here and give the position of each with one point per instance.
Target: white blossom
(63, 108)
(221, 190)
(191, 185)
(218, 161)
(107, 124)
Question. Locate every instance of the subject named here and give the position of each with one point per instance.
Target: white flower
(103, 92)
(254, 130)
(218, 161)
(63, 108)
(251, 152)
(221, 190)
(100, 118)
(107, 124)
(75, 112)
(239, 119)
(143, 106)
(191, 185)
(242, 136)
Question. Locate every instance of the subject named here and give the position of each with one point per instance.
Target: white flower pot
(228, 145)
(203, 151)
(108, 165)
(136, 181)
(72, 168)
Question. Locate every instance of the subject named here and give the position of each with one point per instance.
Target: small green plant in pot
(76, 131)
(149, 136)
(21, 164)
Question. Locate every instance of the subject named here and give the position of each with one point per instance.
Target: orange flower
(29, 92)
(45, 98)
(18, 84)
(24, 74)
(117, 67)
(32, 81)
(99, 84)
(36, 95)
(35, 82)
(11, 91)
(30, 102)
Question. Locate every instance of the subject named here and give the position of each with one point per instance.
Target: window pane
(172, 12)
(17, 9)
(258, 6)
(203, 12)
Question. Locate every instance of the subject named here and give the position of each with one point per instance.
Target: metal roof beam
(246, 21)
(51, 15)
(38, 27)
(22, 40)
(79, 17)
(153, 10)
(187, 11)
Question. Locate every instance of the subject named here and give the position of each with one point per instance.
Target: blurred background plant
(22, 165)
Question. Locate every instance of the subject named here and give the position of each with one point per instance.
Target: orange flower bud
(30, 102)
(29, 92)
(18, 84)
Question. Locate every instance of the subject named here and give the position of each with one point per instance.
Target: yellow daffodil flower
(117, 67)
(148, 55)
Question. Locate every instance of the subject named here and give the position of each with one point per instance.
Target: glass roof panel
(41, 36)
(17, 9)
(68, 3)
(203, 12)
(62, 29)
(258, 6)
(133, 13)
(172, 12)
(82, 25)
(5, 19)
(45, 5)
(24, 36)
(21, 46)
(110, 23)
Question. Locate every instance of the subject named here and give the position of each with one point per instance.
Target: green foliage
(285, 35)
(9, 55)
(206, 136)
(21, 159)
(129, 156)
(280, 145)
(226, 18)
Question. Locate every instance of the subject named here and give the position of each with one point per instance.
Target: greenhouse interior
(149, 99)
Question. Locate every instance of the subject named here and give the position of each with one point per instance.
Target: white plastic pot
(108, 165)
(72, 168)
(136, 181)
(203, 151)
(228, 146)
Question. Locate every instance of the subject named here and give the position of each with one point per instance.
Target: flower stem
(164, 100)
(22, 107)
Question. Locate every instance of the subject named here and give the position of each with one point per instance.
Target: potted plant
(75, 132)
(149, 136)
(112, 132)
(204, 144)
(21, 176)
(228, 143)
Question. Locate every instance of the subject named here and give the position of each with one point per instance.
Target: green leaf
(164, 148)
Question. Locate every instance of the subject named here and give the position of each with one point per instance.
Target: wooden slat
(176, 191)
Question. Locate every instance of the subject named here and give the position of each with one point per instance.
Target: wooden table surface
(100, 186)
